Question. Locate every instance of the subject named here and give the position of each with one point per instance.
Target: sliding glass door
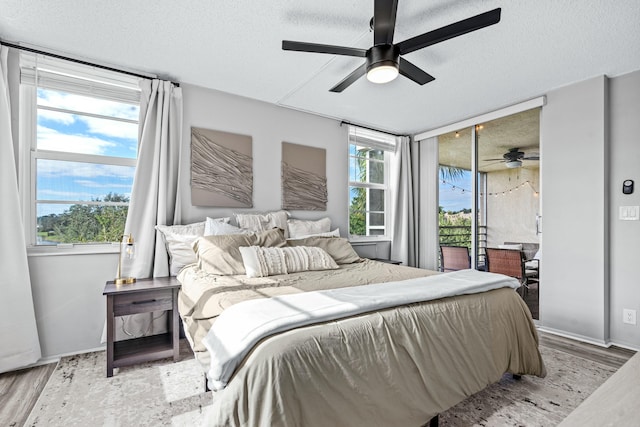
(489, 189)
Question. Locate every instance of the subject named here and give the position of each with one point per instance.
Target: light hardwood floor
(19, 390)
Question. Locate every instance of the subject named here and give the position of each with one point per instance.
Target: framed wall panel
(304, 177)
(221, 169)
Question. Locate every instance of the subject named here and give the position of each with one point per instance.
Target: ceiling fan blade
(350, 79)
(531, 158)
(322, 48)
(409, 70)
(384, 21)
(491, 160)
(450, 31)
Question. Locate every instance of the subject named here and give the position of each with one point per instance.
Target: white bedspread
(242, 325)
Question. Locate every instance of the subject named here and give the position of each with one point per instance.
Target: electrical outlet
(628, 316)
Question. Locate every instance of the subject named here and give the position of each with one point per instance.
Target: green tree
(87, 223)
(455, 227)
(358, 206)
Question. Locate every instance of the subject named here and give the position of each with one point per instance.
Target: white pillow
(220, 226)
(269, 261)
(517, 247)
(334, 233)
(263, 222)
(298, 228)
(178, 240)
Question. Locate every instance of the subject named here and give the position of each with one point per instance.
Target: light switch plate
(630, 213)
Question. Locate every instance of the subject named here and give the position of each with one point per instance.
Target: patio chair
(454, 258)
(510, 262)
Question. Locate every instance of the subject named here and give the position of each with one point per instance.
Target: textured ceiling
(235, 47)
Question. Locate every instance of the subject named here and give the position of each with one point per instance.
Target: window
(369, 156)
(79, 135)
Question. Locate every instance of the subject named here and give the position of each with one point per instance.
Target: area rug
(172, 394)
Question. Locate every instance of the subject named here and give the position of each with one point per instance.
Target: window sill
(368, 240)
(58, 250)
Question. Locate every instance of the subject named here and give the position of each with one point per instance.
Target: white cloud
(63, 195)
(87, 171)
(83, 103)
(73, 195)
(112, 128)
(93, 184)
(56, 116)
(51, 139)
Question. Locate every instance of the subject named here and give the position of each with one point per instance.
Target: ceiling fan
(514, 157)
(383, 60)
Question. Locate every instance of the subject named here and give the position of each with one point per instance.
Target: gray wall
(624, 137)
(574, 282)
(269, 126)
(67, 289)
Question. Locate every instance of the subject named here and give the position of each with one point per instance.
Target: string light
(497, 193)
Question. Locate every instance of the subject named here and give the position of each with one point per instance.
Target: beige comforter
(396, 367)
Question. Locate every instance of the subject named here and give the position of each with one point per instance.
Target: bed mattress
(398, 366)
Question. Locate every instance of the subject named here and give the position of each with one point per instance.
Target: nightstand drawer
(142, 302)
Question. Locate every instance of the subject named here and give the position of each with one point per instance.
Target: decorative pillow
(338, 247)
(298, 228)
(260, 262)
(216, 227)
(260, 222)
(334, 233)
(221, 254)
(178, 240)
(517, 247)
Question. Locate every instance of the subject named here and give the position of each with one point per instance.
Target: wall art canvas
(304, 177)
(221, 169)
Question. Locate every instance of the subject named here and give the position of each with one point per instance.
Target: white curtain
(404, 191)
(155, 186)
(19, 345)
(154, 196)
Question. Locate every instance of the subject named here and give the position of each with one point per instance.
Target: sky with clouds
(83, 134)
(452, 196)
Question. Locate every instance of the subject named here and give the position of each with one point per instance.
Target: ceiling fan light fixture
(513, 164)
(383, 72)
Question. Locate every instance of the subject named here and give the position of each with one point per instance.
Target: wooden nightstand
(143, 296)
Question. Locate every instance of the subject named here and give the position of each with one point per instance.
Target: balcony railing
(460, 235)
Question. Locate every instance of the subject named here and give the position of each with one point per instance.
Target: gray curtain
(405, 183)
(155, 185)
(18, 330)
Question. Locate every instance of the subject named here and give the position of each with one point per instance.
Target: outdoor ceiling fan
(383, 60)
(514, 157)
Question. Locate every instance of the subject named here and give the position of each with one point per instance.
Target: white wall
(574, 282)
(624, 95)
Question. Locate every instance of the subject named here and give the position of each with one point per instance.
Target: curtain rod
(369, 128)
(78, 61)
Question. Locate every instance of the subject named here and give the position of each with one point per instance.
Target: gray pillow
(338, 247)
(221, 254)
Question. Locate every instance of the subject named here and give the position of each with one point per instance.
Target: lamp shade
(513, 164)
(382, 73)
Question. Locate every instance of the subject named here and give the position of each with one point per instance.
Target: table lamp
(127, 246)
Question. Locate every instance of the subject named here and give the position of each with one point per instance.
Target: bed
(400, 365)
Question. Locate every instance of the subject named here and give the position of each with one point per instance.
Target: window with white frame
(79, 139)
(369, 159)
